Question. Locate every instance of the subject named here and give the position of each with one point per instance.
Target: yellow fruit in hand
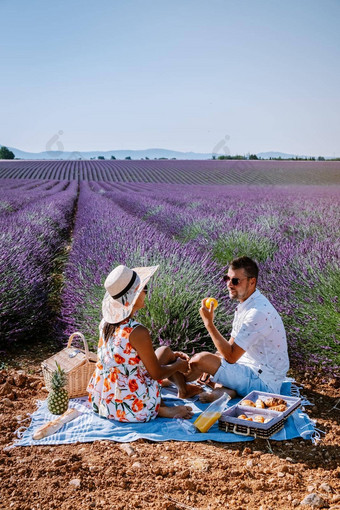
(211, 301)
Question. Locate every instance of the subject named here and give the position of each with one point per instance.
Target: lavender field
(245, 172)
(61, 237)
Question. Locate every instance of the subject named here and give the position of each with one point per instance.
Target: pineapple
(57, 401)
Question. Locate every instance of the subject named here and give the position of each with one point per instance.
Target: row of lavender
(104, 236)
(35, 224)
(178, 171)
(192, 232)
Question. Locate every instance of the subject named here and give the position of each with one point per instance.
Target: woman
(126, 383)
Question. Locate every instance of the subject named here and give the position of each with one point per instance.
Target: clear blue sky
(176, 74)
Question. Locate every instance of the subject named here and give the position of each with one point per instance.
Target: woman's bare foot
(175, 411)
(190, 390)
(207, 397)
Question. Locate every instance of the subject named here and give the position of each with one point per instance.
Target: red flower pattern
(124, 387)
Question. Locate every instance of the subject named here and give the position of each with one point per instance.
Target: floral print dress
(121, 388)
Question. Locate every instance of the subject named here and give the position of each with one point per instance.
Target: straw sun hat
(123, 286)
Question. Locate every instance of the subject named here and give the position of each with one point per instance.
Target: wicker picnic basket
(78, 364)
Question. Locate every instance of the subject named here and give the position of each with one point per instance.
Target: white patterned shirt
(258, 329)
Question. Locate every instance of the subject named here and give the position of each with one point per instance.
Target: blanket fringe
(295, 392)
(314, 434)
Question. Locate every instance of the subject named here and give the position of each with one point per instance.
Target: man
(255, 357)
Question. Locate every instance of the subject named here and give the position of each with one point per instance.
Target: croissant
(258, 418)
(247, 403)
(279, 408)
(274, 401)
(260, 404)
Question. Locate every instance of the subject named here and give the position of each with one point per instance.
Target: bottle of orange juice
(212, 413)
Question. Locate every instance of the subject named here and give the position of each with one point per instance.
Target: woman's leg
(165, 357)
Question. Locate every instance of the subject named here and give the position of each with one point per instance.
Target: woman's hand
(207, 314)
(180, 354)
(181, 365)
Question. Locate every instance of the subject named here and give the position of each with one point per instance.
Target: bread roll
(258, 418)
(53, 426)
(244, 417)
(248, 403)
(260, 404)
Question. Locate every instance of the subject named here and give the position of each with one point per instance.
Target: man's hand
(207, 314)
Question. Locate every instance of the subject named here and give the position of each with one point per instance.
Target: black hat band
(127, 288)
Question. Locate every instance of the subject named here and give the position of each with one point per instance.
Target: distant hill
(134, 154)
(118, 154)
(283, 155)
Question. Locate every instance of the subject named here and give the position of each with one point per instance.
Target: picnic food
(244, 417)
(259, 418)
(248, 403)
(53, 426)
(57, 401)
(274, 401)
(279, 408)
(260, 404)
(212, 301)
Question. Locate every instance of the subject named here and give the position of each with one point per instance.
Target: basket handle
(77, 333)
(241, 433)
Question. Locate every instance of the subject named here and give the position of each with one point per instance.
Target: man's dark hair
(250, 267)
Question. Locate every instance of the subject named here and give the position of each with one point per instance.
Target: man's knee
(164, 354)
(206, 362)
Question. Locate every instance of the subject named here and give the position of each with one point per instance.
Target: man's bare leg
(206, 362)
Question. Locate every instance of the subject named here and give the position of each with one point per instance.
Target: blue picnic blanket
(89, 427)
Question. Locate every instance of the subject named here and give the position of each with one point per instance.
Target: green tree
(253, 156)
(112, 157)
(101, 157)
(6, 153)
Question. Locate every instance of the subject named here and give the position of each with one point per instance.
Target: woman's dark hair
(108, 330)
(250, 267)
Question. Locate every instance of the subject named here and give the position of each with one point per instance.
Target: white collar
(244, 304)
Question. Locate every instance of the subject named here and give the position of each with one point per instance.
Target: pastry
(260, 404)
(274, 401)
(248, 403)
(259, 418)
(279, 408)
(244, 417)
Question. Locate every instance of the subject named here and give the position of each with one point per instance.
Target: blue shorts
(240, 378)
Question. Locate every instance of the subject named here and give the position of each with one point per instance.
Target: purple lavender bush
(33, 238)
(193, 232)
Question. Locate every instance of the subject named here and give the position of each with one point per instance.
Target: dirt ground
(259, 475)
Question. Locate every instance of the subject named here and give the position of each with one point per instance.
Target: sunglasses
(234, 281)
